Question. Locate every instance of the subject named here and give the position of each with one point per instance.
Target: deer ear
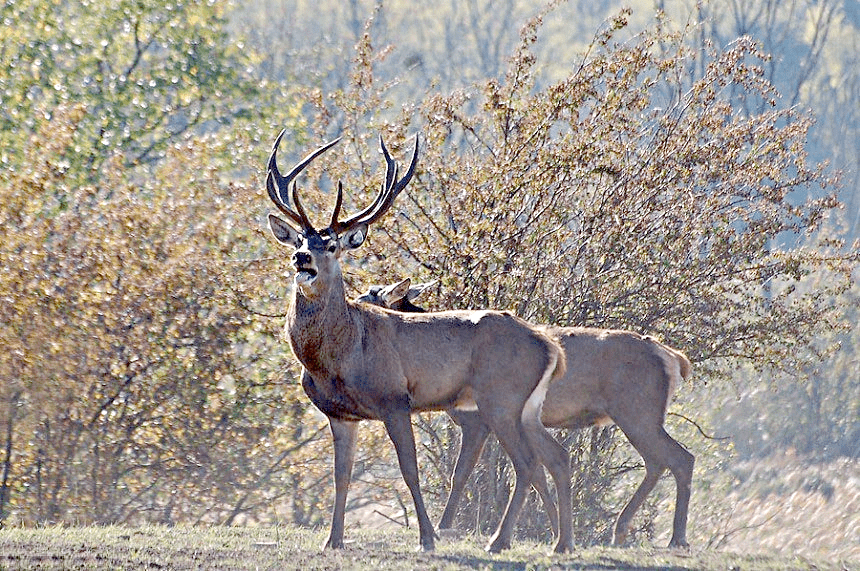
(354, 237)
(284, 233)
(418, 289)
(393, 293)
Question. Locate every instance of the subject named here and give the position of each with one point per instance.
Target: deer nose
(301, 259)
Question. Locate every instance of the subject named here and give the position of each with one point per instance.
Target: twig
(389, 518)
(240, 301)
(717, 542)
(699, 428)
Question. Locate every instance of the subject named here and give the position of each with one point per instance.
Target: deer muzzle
(306, 270)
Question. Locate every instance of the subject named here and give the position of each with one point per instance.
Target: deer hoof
(497, 545)
(563, 547)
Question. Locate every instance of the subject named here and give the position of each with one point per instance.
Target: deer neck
(321, 328)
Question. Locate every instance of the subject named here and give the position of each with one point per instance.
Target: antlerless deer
(612, 376)
(362, 362)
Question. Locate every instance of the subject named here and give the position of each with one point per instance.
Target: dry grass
(782, 514)
(786, 505)
(236, 549)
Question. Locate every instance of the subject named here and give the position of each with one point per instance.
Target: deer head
(317, 252)
(397, 296)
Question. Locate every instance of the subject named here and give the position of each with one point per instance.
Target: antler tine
(305, 221)
(391, 187)
(336, 212)
(340, 227)
(390, 173)
(272, 166)
(401, 184)
(395, 186)
(283, 182)
(273, 194)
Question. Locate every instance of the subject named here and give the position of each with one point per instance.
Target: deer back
(612, 373)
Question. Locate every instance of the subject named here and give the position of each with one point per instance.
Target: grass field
(286, 548)
(783, 514)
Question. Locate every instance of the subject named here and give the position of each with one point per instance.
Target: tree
(812, 65)
(148, 72)
(134, 387)
(450, 45)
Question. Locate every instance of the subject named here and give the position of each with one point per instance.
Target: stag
(365, 363)
(612, 376)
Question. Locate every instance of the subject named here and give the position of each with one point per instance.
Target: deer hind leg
(622, 524)
(511, 435)
(660, 452)
(398, 424)
(681, 467)
(553, 455)
(343, 435)
(540, 484)
(473, 435)
(556, 459)
(529, 442)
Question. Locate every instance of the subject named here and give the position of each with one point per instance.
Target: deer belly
(435, 394)
(571, 414)
(438, 380)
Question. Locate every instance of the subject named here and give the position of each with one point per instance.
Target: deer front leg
(398, 423)
(343, 433)
(473, 435)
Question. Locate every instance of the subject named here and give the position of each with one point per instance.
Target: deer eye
(332, 246)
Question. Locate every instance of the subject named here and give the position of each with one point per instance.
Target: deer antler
(336, 212)
(391, 187)
(278, 186)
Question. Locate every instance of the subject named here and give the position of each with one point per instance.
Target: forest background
(682, 169)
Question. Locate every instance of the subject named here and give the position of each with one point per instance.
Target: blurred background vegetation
(683, 169)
